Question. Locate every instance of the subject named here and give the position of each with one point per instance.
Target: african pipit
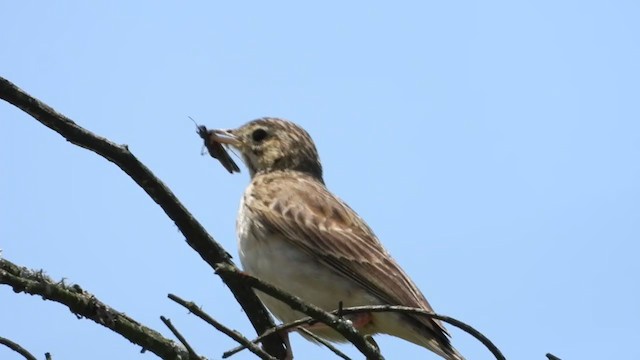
(294, 233)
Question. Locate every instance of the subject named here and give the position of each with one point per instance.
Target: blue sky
(492, 146)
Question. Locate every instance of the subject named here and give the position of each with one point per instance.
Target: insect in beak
(213, 141)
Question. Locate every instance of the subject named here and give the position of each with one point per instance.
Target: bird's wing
(312, 218)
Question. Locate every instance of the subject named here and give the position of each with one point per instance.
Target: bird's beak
(225, 137)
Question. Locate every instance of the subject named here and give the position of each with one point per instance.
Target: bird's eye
(259, 135)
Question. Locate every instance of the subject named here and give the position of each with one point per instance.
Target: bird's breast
(263, 253)
(277, 260)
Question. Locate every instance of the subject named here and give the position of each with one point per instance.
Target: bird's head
(271, 144)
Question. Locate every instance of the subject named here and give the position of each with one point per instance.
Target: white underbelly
(280, 262)
(288, 268)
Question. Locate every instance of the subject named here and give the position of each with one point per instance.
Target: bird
(297, 235)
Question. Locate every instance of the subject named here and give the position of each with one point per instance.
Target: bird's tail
(453, 354)
(447, 351)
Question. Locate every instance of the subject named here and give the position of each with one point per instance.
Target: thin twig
(388, 308)
(342, 326)
(276, 329)
(84, 304)
(17, 348)
(195, 234)
(235, 335)
(181, 338)
(324, 342)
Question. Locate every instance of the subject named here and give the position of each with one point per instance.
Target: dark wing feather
(302, 209)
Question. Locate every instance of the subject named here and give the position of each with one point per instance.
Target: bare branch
(181, 338)
(84, 304)
(235, 335)
(324, 342)
(195, 234)
(387, 308)
(17, 348)
(342, 326)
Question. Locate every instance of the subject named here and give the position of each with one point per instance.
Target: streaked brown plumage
(293, 232)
